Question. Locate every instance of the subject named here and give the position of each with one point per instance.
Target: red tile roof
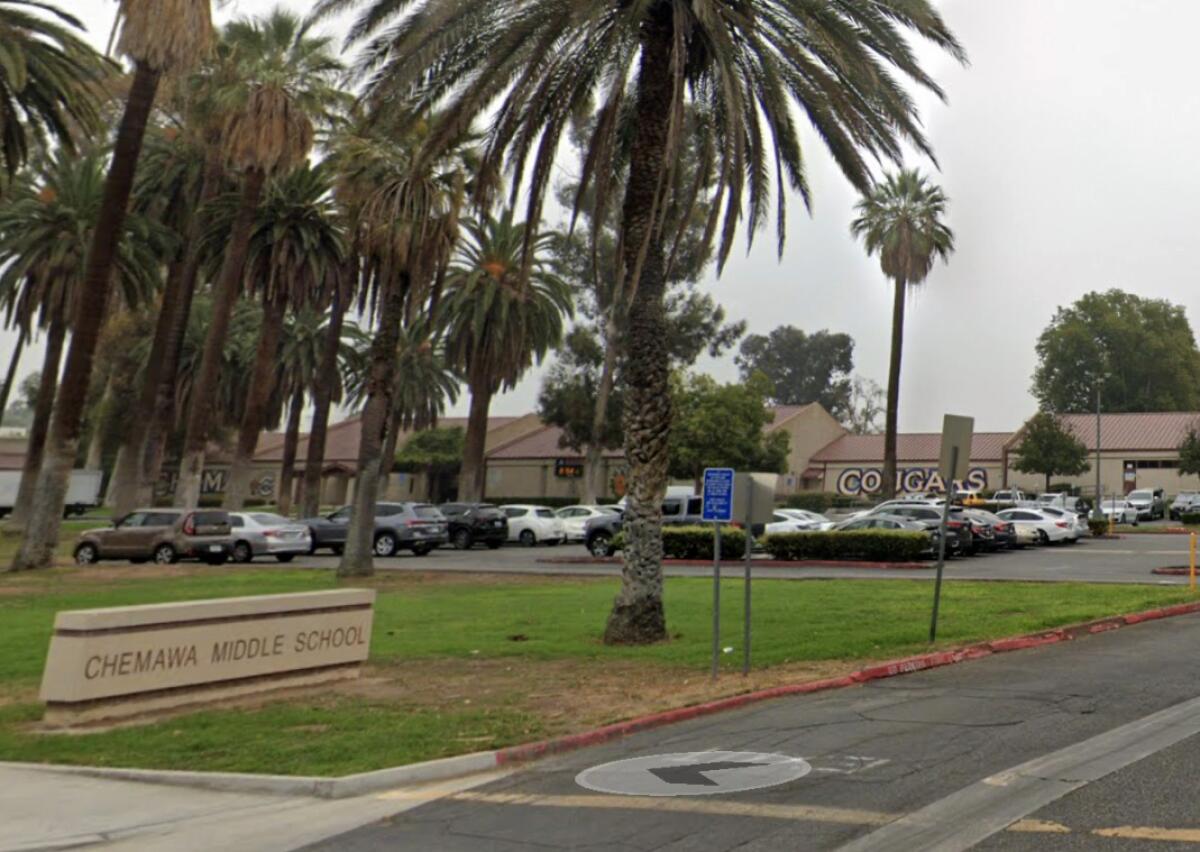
(913, 446)
(542, 444)
(786, 412)
(1134, 432)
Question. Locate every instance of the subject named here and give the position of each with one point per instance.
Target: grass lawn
(460, 663)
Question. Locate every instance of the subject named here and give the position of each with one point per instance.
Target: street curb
(757, 563)
(1173, 571)
(483, 761)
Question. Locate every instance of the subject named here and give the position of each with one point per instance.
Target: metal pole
(1192, 563)
(937, 586)
(1098, 513)
(716, 649)
(749, 550)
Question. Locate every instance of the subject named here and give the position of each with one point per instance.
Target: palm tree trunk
(358, 556)
(389, 455)
(41, 533)
(42, 411)
(228, 288)
(472, 478)
(593, 457)
(637, 615)
(262, 384)
(893, 393)
(162, 422)
(322, 399)
(10, 377)
(291, 440)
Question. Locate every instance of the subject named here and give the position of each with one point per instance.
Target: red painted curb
(758, 563)
(1173, 571)
(894, 668)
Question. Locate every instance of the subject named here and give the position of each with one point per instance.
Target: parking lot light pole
(1098, 512)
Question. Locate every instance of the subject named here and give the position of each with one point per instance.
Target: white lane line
(978, 811)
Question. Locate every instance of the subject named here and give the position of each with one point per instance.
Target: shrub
(1191, 518)
(695, 542)
(821, 501)
(869, 545)
(1098, 526)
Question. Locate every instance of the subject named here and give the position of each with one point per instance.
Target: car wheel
(86, 554)
(285, 557)
(463, 540)
(336, 549)
(495, 545)
(164, 554)
(528, 539)
(1043, 538)
(422, 550)
(385, 544)
(600, 545)
(242, 552)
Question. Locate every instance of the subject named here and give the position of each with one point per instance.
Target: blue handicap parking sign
(718, 494)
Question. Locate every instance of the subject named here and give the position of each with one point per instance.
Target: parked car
(1120, 511)
(822, 522)
(781, 523)
(1077, 526)
(599, 532)
(162, 535)
(266, 534)
(575, 518)
(930, 517)
(1149, 502)
(677, 510)
(899, 522)
(418, 527)
(1184, 502)
(971, 498)
(1004, 534)
(533, 525)
(1058, 499)
(475, 523)
(1048, 529)
(1011, 497)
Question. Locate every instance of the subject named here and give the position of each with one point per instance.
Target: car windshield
(545, 513)
(427, 512)
(269, 520)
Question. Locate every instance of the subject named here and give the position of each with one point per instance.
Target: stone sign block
(125, 661)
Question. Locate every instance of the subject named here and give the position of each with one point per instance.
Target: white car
(267, 534)
(822, 522)
(575, 518)
(1123, 512)
(1079, 527)
(1047, 528)
(781, 523)
(532, 525)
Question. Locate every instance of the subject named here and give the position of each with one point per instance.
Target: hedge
(821, 501)
(695, 542)
(1098, 526)
(869, 545)
(1190, 518)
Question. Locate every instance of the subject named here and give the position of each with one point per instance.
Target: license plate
(215, 548)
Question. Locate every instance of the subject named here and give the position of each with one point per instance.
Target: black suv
(473, 523)
(418, 527)
(598, 533)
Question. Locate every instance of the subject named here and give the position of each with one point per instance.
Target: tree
(867, 402)
(1141, 350)
(159, 36)
(498, 324)
(901, 221)
(724, 426)
(803, 368)
(1049, 448)
(1189, 451)
(49, 80)
(438, 453)
(568, 396)
(532, 67)
(285, 86)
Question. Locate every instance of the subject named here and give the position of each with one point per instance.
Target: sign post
(718, 508)
(754, 503)
(953, 464)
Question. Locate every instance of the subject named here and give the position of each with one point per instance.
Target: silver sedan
(267, 534)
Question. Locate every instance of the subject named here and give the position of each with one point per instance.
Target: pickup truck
(1012, 497)
(83, 491)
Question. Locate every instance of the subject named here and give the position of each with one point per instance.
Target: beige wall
(1112, 466)
(809, 431)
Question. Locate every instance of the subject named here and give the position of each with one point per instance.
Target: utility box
(754, 494)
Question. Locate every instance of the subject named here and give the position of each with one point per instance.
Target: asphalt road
(1090, 744)
(1127, 560)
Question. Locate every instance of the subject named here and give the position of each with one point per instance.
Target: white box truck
(83, 491)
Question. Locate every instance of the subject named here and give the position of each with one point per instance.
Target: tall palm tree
(498, 322)
(295, 249)
(533, 67)
(407, 207)
(158, 36)
(10, 376)
(49, 80)
(901, 220)
(287, 85)
(44, 230)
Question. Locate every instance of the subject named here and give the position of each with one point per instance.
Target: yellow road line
(1039, 826)
(1133, 832)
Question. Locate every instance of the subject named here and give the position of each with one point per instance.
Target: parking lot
(1126, 560)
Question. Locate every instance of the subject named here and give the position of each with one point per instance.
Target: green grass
(526, 622)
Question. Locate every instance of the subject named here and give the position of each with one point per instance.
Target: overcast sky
(1067, 151)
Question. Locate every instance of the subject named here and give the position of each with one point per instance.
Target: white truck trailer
(83, 492)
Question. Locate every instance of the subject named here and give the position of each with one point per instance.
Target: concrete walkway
(44, 809)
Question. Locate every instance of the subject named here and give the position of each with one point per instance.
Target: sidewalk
(43, 810)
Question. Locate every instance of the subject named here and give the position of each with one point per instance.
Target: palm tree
(159, 36)
(10, 377)
(533, 67)
(407, 208)
(498, 321)
(43, 234)
(295, 249)
(287, 84)
(49, 80)
(901, 221)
